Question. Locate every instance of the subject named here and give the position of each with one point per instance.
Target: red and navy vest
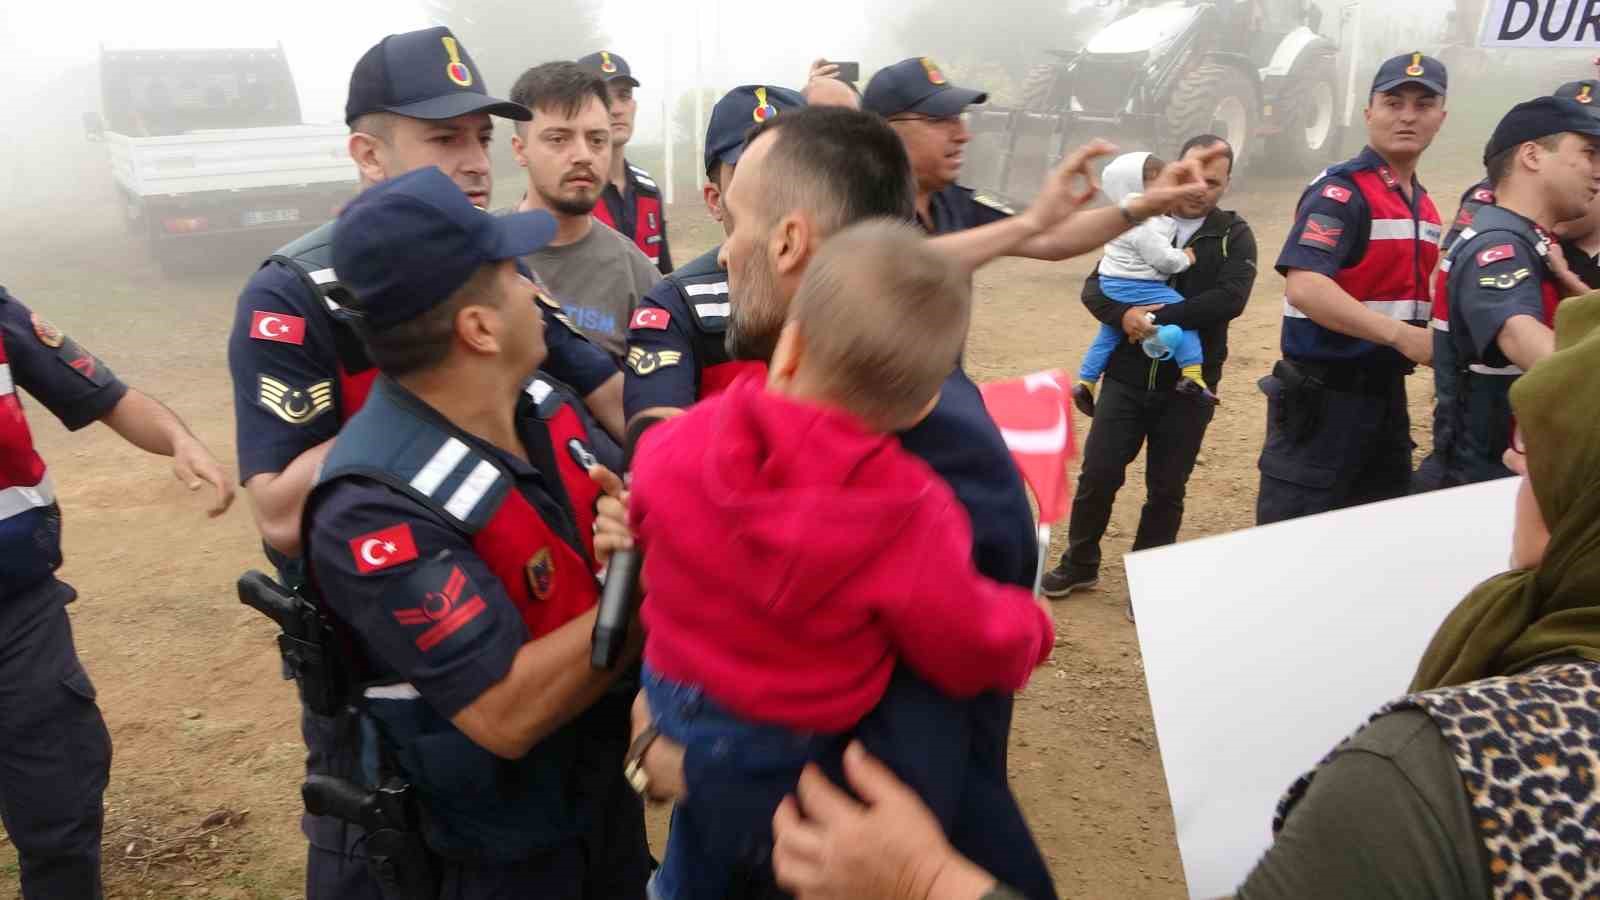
(1472, 406)
(702, 285)
(1391, 277)
(311, 257)
(477, 806)
(647, 227)
(27, 497)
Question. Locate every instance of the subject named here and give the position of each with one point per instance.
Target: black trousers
(55, 754)
(1125, 419)
(1356, 450)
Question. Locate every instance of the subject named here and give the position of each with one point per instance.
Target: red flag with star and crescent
(1035, 421)
(383, 548)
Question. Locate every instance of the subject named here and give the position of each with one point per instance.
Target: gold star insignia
(643, 361)
(297, 406)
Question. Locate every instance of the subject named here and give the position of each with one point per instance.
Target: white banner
(1541, 23)
(1265, 648)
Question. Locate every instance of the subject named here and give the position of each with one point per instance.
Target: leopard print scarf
(1528, 747)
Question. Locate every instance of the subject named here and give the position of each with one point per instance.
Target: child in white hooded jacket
(1134, 270)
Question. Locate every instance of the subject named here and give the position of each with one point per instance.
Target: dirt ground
(204, 799)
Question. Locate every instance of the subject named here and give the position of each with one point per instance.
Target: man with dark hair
(676, 350)
(1499, 285)
(1356, 306)
(451, 534)
(416, 100)
(1139, 403)
(596, 273)
(803, 176)
(631, 202)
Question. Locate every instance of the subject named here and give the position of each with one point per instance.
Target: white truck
(209, 143)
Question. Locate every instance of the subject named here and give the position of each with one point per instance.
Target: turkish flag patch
(1336, 193)
(1483, 195)
(1322, 232)
(650, 317)
(1496, 253)
(271, 326)
(383, 549)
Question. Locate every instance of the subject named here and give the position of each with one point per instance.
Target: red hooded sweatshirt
(792, 556)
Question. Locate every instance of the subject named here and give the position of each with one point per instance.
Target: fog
(49, 52)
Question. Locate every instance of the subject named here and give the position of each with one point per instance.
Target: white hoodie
(1144, 253)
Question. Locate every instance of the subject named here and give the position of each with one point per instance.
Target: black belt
(1350, 377)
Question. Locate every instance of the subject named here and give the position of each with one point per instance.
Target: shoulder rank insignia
(993, 202)
(297, 406)
(1505, 281)
(644, 362)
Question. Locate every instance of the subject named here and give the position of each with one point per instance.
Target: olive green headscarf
(1518, 619)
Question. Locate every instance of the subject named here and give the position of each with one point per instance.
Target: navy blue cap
(423, 74)
(917, 85)
(1537, 118)
(740, 110)
(1586, 93)
(1411, 68)
(404, 246)
(610, 66)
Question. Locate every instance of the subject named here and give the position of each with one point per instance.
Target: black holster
(1301, 408)
(310, 649)
(397, 857)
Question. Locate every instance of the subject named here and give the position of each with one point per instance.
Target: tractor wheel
(1044, 89)
(1213, 99)
(1310, 137)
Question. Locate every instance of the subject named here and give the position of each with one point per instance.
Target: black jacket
(1215, 289)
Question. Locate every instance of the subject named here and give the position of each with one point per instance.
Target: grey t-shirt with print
(598, 280)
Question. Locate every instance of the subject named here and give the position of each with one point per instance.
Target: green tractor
(1263, 74)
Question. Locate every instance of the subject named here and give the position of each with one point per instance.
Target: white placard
(1541, 23)
(1264, 648)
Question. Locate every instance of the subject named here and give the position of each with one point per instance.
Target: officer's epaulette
(643, 178)
(994, 202)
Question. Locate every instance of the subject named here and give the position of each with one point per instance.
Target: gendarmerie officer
(451, 534)
(1500, 284)
(416, 99)
(1357, 263)
(55, 752)
(631, 202)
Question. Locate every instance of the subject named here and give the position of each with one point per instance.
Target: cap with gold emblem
(1584, 92)
(423, 74)
(1411, 68)
(917, 85)
(610, 66)
(737, 112)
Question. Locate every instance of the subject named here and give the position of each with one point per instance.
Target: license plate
(271, 216)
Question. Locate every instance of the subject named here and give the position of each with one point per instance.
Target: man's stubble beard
(569, 207)
(756, 316)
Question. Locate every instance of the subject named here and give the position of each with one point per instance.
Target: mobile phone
(848, 71)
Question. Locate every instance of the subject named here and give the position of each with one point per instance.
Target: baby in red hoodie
(794, 552)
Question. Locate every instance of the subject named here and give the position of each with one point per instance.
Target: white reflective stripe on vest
(20, 499)
(1404, 310)
(1440, 325)
(401, 691)
(1402, 230)
(1481, 369)
(323, 276)
(6, 387)
(438, 467)
(712, 310)
(706, 290)
(471, 491)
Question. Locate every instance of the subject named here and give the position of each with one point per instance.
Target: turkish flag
(1036, 423)
(383, 548)
(650, 317)
(279, 327)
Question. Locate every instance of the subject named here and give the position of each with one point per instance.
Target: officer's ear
(367, 152)
(794, 241)
(712, 194)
